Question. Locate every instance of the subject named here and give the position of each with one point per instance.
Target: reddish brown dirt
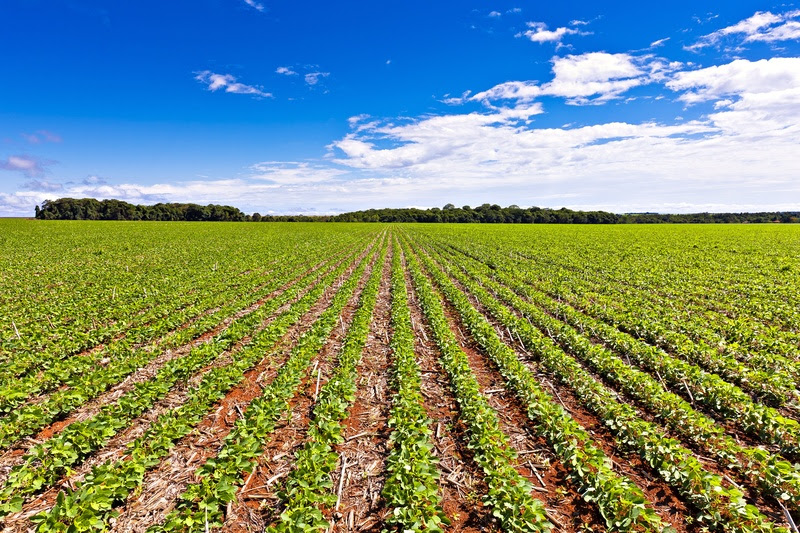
(14, 456)
(461, 483)
(665, 500)
(117, 447)
(751, 492)
(366, 432)
(164, 484)
(768, 506)
(257, 502)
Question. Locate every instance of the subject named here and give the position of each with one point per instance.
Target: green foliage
(410, 490)
(716, 506)
(92, 209)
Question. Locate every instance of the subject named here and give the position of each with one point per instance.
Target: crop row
(620, 501)
(89, 506)
(411, 489)
(308, 491)
(710, 390)
(509, 494)
(773, 377)
(718, 507)
(755, 465)
(34, 416)
(46, 462)
(131, 349)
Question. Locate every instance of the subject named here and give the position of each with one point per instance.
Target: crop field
(164, 377)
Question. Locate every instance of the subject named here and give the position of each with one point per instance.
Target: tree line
(91, 209)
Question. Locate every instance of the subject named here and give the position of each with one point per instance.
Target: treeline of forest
(91, 209)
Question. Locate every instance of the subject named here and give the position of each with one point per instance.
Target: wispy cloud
(286, 71)
(41, 136)
(763, 26)
(312, 78)
(42, 186)
(228, 83)
(495, 14)
(29, 166)
(660, 42)
(255, 5)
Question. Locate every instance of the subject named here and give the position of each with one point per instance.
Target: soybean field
(239, 377)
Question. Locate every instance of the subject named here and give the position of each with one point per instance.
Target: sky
(286, 107)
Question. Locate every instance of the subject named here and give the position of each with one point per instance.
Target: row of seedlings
(411, 489)
(90, 505)
(509, 495)
(32, 417)
(621, 503)
(754, 465)
(46, 462)
(152, 337)
(308, 491)
(711, 391)
(202, 505)
(718, 507)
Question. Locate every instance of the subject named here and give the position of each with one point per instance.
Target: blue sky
(313, 107)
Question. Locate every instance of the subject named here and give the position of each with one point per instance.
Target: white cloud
(495, 14)
(714, 163)
(228, 82)
(539, 33)
(737, 78)
(595, 77)
(660, 42)
(762, 26)
(255, 5)
(312, 78)
(294, 173)
(286, 71)
(741, 156)
(30, 166)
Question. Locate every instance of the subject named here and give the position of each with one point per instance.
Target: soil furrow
(461, 483)
(257, 501)
(14, 456)
(164, 484)
(365, 430)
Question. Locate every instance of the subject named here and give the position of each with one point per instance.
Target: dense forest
(91, 209)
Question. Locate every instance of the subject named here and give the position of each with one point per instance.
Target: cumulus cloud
(710, 163)
(591, 78)
(539, 33)
(30, 166)
(763, 26)
(495, 14)
(715, 162)
(739, 77)
(286, 71)
(228, 83)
